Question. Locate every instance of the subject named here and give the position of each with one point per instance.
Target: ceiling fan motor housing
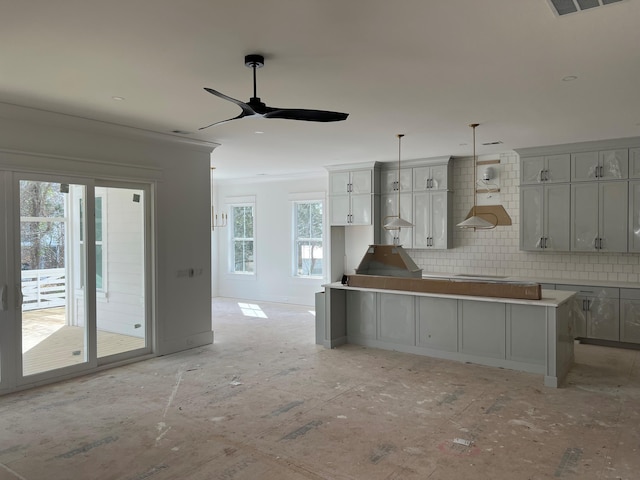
(254, 61)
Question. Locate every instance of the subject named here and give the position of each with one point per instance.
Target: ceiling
(423, 68)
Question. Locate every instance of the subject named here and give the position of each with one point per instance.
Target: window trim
(231, 202)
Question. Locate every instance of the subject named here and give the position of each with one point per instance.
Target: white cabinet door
(439, 177)
(339, 210)
(361, 209)
(584, 217)
(546, 213)
(531, 170)
(557, 218)
(558, 168)
(439, 224)
(605, 165)
(431, 220)
(634, 216)
(584, 166)
(389, 208)
(532, 217)
(550, 169)
(613, 204)
(361, 181)
(634, 163)
(614, 164)
(389, 180)
(421, 220)
(431, 178)
(339, 183)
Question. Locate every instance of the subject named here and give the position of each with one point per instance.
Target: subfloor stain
(498, 405)
(87, 447)
(149, 473)
(286, 408)
(302, 430)
(380, 452)
(451, 397)
(569, 461)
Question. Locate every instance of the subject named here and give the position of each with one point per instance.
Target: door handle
(3, 298)
(601, 172)
(19, 297)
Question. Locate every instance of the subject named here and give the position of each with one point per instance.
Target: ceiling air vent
(565, 7)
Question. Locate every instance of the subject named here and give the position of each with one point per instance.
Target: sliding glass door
(83, 262)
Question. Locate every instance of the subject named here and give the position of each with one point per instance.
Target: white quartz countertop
(550, 298)
(558, 281)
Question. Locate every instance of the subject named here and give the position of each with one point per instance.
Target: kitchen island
(529, 335)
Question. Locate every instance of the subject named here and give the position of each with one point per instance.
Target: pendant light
(397, 222)
(474, 221)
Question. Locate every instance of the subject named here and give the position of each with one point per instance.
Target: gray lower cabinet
(438, 323)
(630, 315)
(596, 312)
(361, 312)
(397, 319)
(526, 334)
(482, 328)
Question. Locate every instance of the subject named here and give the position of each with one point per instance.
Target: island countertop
(550, 298)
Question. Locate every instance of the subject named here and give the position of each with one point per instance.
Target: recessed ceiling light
(569, 78)
(258, 132)
(117, 99)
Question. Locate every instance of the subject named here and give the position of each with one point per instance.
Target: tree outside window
(242, 244)
(308, 239)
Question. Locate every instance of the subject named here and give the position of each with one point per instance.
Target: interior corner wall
(177, 170)
(496, 251)
(273, 280)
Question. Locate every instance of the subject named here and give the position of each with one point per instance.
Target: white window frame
(295, 239)
(231, 204)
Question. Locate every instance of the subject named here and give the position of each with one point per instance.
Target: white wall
(273, 280)
(496, 252)
(177, 170)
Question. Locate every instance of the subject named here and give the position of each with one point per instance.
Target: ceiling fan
(256, 108)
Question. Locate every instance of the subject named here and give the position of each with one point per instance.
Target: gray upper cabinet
(634, 163)
(545, 169)
(389, 209)
(599, 217)
(432, 220)
(634, 216)
(435, 177)
(545, 217)
(352, 196)
(354, 182)
(389, 180)
(603, 165)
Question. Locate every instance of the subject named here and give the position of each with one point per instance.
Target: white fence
(43, 288)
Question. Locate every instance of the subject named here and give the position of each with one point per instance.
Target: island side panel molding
(527, 334)
(335, 317)
(482, 329)
(560, 345)
(437, 323)
(362, 315)
(397, 319)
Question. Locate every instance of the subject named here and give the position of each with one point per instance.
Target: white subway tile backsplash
(496, 252)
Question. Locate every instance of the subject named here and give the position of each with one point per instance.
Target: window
(307, 228)
(242, 241)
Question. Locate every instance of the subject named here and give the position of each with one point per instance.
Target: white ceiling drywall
(420, 67)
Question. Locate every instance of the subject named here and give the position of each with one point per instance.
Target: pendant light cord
(400, 135)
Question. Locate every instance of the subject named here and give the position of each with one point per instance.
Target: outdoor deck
(49, 344)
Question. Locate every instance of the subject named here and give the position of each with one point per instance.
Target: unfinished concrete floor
(264, 402)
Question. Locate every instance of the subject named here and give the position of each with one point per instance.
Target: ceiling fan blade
(307, 115)
(246, 109)
(224, 121)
